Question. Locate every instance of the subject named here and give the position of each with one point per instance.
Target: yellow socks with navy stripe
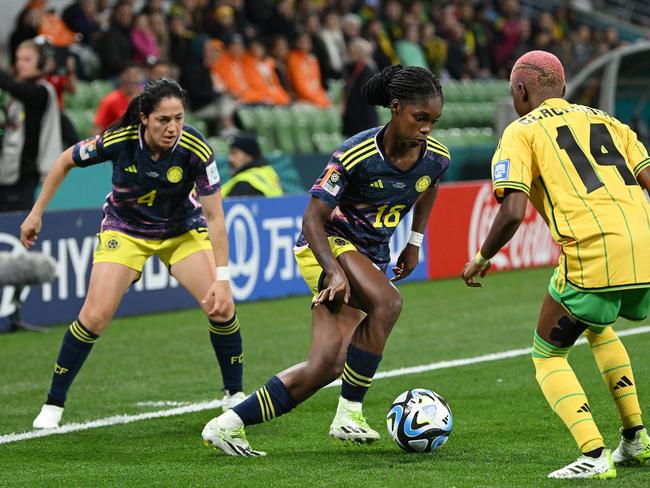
(615, 367)
(564, 393)
(227, 344)
(77, 343)
(358, 371)
(269, 402)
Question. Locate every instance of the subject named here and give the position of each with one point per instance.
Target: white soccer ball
(419, 420)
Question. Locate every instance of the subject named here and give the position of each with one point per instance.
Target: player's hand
(406, 262)
(472, 270)
(338, 284)
(221, 297)
(30, 229)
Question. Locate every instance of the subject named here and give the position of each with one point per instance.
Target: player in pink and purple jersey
(371, 182)
(165, 202)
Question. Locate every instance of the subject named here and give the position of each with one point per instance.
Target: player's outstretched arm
(31, 227)
(506, 223)
(313, 226)
(408, 258)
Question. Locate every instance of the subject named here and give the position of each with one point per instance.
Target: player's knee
(389, 308)
(95, 319)
(566, 331)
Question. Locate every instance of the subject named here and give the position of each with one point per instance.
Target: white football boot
(228, 401)
(226, 432)
(635, 451)
(48, 418)
(349, 424)
(588, 467)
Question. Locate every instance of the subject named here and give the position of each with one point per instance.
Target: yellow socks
(564, 393)
(615, 367)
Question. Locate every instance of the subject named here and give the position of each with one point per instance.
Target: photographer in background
(31, 132)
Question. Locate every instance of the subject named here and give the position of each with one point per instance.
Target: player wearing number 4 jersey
(152, 210)
(371, 182)
(584, 172)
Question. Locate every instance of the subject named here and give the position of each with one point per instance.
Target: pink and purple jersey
(152, 199)
(369, 195)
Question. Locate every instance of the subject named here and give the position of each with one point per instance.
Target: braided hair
(405, 83)
(149, 99)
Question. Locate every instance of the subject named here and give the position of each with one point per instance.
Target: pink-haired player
(584, 171)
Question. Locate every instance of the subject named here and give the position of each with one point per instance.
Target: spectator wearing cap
(252, 175)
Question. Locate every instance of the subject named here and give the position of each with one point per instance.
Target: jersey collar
(555, 103)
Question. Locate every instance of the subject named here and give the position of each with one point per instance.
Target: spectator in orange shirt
(259, 71)
(114, 104)
(304, 73)
(229, 68)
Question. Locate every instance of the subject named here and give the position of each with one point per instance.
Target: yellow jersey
(578, 165)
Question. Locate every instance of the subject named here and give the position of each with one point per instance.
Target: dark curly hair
(405, 83)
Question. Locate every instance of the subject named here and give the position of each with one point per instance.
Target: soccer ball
(419, 420)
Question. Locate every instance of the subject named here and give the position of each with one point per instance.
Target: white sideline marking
(198, 407)
(162, 403)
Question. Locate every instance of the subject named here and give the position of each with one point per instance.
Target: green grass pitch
(505, 435)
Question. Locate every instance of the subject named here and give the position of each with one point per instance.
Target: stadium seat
(219, 145)
(332, 119)
(83, 98)
(247, 117)
(450, 91)
(283, 128)
(335, 91)
(324, 143)
(263, 125)
(266, 146)
(301, 130)
(384, 115)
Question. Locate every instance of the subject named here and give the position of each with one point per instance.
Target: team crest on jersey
(423, 183)
(501, 170)
(339, 241)
(330, 182)
(88, 148)
(175, 174)
(112, 244)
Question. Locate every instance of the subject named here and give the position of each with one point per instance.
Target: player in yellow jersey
(584, 171)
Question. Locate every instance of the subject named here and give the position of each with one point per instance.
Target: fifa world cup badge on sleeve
(213, 173)
(88, 148)
(501, 170)
(331, 182)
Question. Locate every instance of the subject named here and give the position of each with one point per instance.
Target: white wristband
(223, 273)
(416, 239)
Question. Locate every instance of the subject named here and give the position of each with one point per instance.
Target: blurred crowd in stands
(231, 52)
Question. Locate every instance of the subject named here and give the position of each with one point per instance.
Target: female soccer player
(372, 180)
(152, 210)
(584, 172)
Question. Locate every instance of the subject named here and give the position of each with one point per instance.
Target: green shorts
(602, 308)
